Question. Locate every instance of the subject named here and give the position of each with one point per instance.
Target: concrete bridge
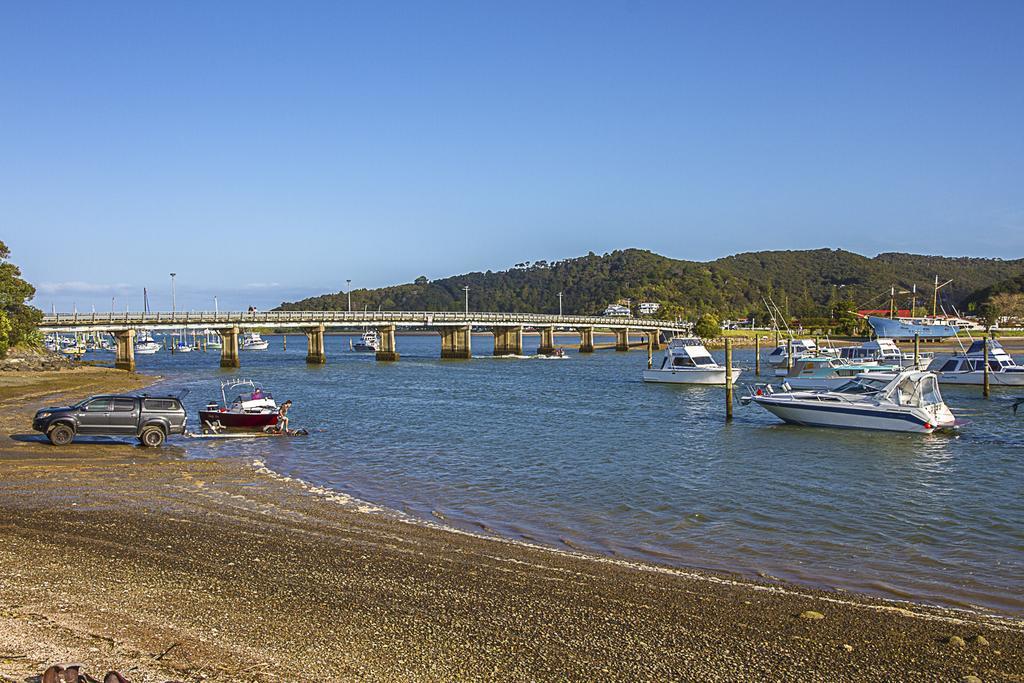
(455, 329)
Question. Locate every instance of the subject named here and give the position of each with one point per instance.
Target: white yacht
(686, 361)
(884, 351)
(368, 343)
(145, 344)
(252, 341)
(968, 367)
(908, 401)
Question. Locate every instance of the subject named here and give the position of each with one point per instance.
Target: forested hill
(802, 282)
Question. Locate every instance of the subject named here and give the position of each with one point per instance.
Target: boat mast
(892, 302)
(935, 296)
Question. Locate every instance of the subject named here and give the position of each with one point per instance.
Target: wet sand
(121, 557)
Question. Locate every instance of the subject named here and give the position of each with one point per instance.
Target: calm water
(579, 453)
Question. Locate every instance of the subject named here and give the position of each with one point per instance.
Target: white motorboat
(212, 339)
(884, 351)
(801, 348)
(145, 344)
(686, 361)
(908, 401)
(252, 341)
(968, 367)
(820, 372)
(369, 342)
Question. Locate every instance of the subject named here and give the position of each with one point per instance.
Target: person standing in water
(282, 416)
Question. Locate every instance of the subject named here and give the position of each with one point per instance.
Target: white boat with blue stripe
(687, 361)
(908, 401)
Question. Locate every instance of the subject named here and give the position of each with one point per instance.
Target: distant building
(617, 309)
(648, 307)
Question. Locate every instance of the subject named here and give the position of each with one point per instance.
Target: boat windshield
(930, 395)
(861, 386)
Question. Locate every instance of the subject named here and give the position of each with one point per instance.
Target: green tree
(989, 313)
(708, 326)
(19, 320)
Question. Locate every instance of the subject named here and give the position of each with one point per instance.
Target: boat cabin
(974, 359)
(687, 353)
(801, 347)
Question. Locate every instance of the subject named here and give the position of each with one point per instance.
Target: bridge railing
(271, 318)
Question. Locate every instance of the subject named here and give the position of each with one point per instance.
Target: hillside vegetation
(802, 283)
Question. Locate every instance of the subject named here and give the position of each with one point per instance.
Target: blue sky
(265, 151)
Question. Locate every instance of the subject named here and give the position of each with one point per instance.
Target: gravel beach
(218, 570)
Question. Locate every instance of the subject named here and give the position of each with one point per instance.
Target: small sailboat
(908, 401)
(144, 342)
(687, 361)
(968, 367)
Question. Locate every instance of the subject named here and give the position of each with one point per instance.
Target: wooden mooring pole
(728, 379)
(986, 388)
(650, 350)
(789, 356)
(757, 355)
(917, 352)
(285, 339)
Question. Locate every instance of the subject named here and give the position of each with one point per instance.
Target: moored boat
(687, 361)
(884, 351)
(253, 407)
(369, 342)
(908, 401)
(252, 341)
(802, 348)
(968, 367)
(819, 372)
(144, 343)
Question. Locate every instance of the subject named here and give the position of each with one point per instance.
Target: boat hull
(257, 346)
(896, 329)
(690, 375)
(238, 420)
(977, 378)
(846, 417)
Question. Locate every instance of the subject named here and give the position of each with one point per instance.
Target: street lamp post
(559, 304)
(348, 284)
(174, 302)
(466, 289)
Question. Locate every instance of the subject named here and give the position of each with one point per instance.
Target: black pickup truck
(151, 419)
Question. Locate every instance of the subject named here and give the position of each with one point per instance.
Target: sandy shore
(119, 557)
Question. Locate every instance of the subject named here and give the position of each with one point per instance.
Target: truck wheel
(61, 435)
(152, 437)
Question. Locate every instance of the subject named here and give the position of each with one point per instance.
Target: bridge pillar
(547, 341)
(655, 340)
(387, 350)
(622, 339)
(229, 348)
(457, 342)
(508, 341)
(125, 359)
(586, 339)
(315, 346)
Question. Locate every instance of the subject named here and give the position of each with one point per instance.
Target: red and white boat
(253, 408)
